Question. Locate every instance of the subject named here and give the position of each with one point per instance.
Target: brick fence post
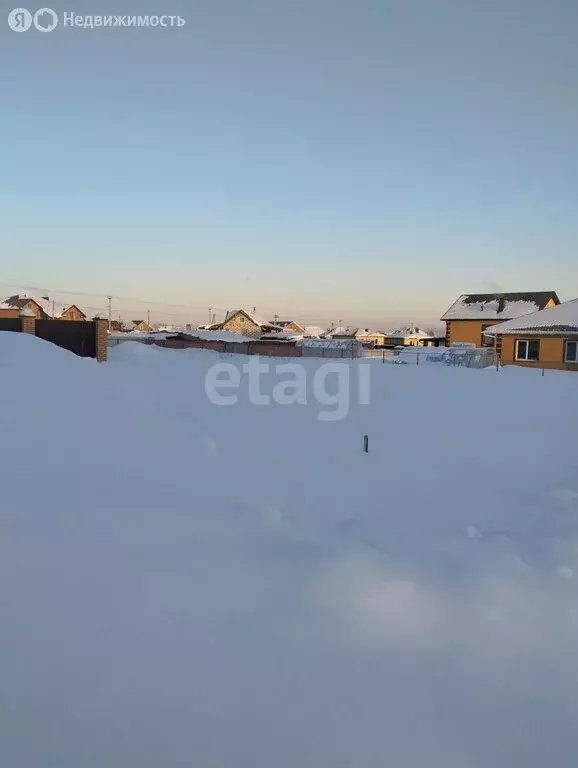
(101, 338)
(27, 322)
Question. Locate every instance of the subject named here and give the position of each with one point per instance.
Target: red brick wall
(273, 350)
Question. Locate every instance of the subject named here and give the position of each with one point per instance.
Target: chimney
(501, 304)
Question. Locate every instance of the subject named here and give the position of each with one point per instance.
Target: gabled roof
(253, 318)
(284, 323)
(409, 332)
(53, 309)
(337, 331)
(498, 306)
(555, 321)
(357, 333)
(313, 331)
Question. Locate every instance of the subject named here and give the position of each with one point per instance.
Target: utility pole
(109, 312)
(148, 317)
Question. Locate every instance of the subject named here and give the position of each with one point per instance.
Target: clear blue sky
(364, 160)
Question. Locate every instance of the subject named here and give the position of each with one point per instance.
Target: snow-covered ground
(183, 584)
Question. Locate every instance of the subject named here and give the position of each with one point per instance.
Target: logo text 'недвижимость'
(45, 20)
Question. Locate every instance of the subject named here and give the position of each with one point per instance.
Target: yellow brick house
(544, 339)
(473, 313)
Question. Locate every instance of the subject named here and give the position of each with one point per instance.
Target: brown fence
(76, 335)
(84, 338)
(10, 324)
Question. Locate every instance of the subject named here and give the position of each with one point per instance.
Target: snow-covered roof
(53, 309)
(284, 323)
(253, 317)
(498, 306)
(358, 333)
(340, 330)
(409, 332)
(562, 319)
(313, 331)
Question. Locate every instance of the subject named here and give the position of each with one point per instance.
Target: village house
(544, 339)
(141, 326)
(409, 336)
(43, 308)
(313, 332)
(289, 326)
(472, 314)
(363, 335)
(246, 324)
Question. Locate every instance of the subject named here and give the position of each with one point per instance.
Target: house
(313, 332)
(544, 339)
(409, 336)
(363, 335)
(44, 308)
(246, 323)
(289, 326)
(470, 315)
(332, 331)
(141, 326)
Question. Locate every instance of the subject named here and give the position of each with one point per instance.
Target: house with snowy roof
(364, 335)
(141, 326)
(409, 336)
(289, 326)
(246, 324)
(44, 308)
(313, 332)
(473, 313)
(544, 339)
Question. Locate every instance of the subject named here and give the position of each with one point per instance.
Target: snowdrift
(184, 584)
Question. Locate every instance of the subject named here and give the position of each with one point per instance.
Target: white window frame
(525, 359)
(566, 343)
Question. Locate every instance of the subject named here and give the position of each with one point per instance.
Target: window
(571, 352)
(528, 350)
(487, 341)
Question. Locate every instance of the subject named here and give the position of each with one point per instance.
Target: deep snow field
(185, 585)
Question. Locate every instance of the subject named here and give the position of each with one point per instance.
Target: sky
(363, 161)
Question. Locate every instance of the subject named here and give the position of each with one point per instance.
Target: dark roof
(499, 306)
(18, 302)
(284, 323)
(540, 298)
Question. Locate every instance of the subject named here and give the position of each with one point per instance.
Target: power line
(44, 289)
